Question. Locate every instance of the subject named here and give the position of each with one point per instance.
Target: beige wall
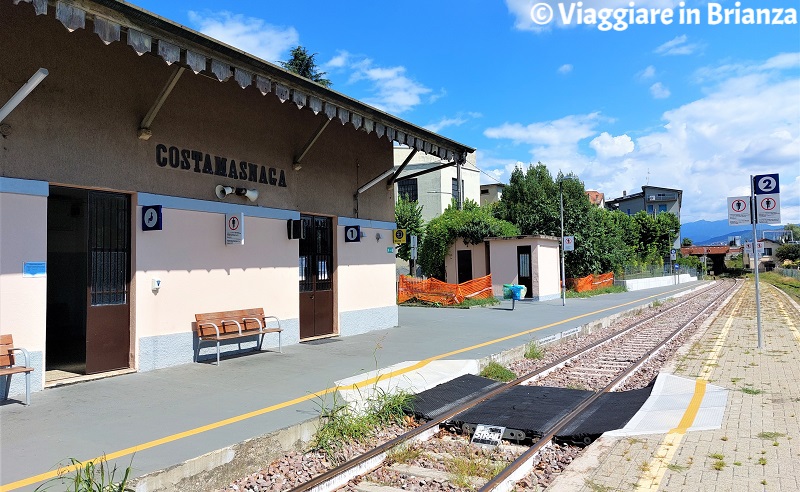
(478, 260)
(23, 238)
(545, 264)
(365, 271)
(199, 273)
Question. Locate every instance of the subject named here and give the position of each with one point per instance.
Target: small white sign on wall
(234, 229)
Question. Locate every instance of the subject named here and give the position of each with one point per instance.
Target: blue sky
(698, 107)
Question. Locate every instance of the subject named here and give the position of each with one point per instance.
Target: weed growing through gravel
(716, 456)
(737, 463)
(718, 465)
(404, 454)
(89, 476)
(645, 466)
(676, 467)
(342, 423)
(497, 372)
(770, 435)
(534, 351)
(462, 468)
(762, 461)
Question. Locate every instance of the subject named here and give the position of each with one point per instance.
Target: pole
(754, 220)
(563, 271)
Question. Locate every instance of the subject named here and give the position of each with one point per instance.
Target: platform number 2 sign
(767, 184)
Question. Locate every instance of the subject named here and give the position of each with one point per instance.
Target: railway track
(431, 458)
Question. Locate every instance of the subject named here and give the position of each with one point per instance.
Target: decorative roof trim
(178, 44)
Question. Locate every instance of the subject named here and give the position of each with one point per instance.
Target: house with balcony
(652, 199)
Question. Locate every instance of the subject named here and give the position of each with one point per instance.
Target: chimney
(624, 193)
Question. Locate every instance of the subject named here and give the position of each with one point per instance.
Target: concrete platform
(162, 418)
(756, 444)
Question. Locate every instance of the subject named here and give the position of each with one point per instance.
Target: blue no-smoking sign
(766, 184)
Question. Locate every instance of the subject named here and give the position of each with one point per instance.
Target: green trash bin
(507, 291)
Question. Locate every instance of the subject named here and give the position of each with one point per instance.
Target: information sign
(234, 229)
(488, 435)
(739, 210)
(569, 243)
(352, 234)
(768, 209)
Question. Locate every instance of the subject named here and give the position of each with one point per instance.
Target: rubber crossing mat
(525, 411)
(611, 411)
(433, 402)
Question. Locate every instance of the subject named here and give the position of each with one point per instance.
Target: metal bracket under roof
(297, 160)
(426, 171)
(144, 128)
(391, 181)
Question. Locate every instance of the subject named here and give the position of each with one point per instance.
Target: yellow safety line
(669, 446)
(232, 420)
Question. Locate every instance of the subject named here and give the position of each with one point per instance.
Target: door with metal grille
(524, 270)
(108, 292)
(316, 276)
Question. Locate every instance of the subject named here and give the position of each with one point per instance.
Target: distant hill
(704, 232)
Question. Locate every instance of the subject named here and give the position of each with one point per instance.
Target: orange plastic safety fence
(436, 291)
(591, 282)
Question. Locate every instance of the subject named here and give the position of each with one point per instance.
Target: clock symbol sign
(150, 217)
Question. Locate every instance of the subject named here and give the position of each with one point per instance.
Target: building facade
(434, 189)
(652, 199)
(156, 173)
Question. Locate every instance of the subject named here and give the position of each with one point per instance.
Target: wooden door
(316, 277)
(524, 270)
(108, 292)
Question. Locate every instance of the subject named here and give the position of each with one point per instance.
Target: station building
(155, 173)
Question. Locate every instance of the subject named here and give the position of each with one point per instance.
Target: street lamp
(563, 269)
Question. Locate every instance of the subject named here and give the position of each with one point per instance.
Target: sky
(683, 101)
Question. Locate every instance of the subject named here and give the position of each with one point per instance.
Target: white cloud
(659, 91)
(747, 123)
(457, 120)
(678, 46)
(391, 88)
(338, 61)
(565, 69)
(607, 146)
(249, 34)
(647, 73)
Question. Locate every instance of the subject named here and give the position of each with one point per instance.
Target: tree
(790, 252)
(686, 242)
(408, 215)
(303, 64)
(472, 225)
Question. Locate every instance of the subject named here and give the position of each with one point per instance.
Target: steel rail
(500, 481)
(323, 481)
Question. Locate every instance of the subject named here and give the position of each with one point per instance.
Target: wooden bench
(8, 367)
(229, 325)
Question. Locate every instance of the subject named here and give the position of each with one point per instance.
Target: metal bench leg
(280, 350)
(27, 388)
(260, 342)
(217, 353)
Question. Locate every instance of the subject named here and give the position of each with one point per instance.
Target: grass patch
(751, 391)
(404, 454)
(616, 289)
(534, 351)
(89, 476)
(718, 465)
(656, 303)
(676, 467)
(466, 304)
(497, 372)
(342, 423)
(716, 456)
(596, 487)
(789, 285)
(762, 461)
(462, 468)
(770, 435)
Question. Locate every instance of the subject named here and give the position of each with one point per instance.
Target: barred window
(408, 189)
